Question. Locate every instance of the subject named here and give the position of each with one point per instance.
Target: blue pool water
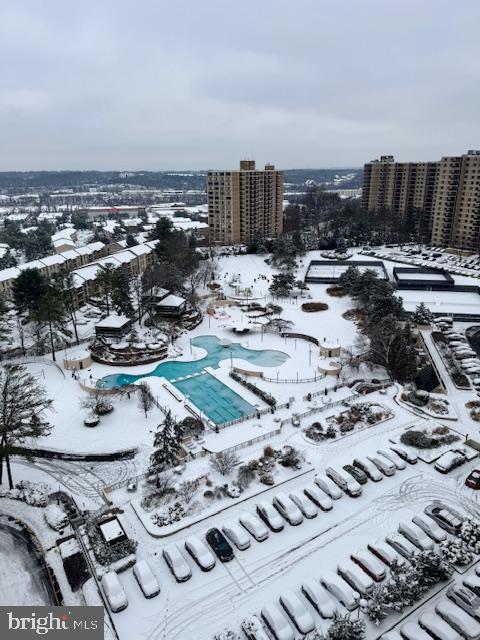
(211, 396)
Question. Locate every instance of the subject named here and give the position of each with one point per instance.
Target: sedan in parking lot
(413, 631)
(368, 468)
(254, 526)
(342, 591)
(473, 479)
(236, 534)
(277, 623)
(370, 564)
(199, 552)
(359, 475)
(437, 627)
(457, 618)
(297, 612)
(220, 545)
(450, 460)
(472, 582)
(305, 505)
(386, 553)
(319, 498)
(405, 454)
(393, 457)
(318, 597)
(329, 487)
(147, 582)
(465, 599)
(114, 592)
(430, 527)
(288, 509)
(416, 536)
(270, 516)
(444, 517)
(401, 545)
(176, 563)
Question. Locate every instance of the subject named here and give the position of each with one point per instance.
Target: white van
(356, 577)
(147, 582)
(347, 483)
(458, 619)
(437, 627)
(329, 487)
(383, 464)
(342, 591)
(277, 623)
(114, 593)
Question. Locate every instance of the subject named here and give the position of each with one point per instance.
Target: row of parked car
(115, 593)
(456, 617)
(356, 577)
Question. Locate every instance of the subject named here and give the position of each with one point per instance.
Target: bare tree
(188, 490)
(145, 398)
(224, 462)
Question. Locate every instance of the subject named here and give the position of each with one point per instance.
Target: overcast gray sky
(111, 84)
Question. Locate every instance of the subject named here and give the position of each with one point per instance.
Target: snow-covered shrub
(346, 628)
(55, 516)
(346, 427)
(291, 458)
(425, 440)
(233, 490)
(331, 432)
(470, 534)
(34, 494)
(266, 477)
(226, 634)
(456, 552)
(431, 568)
(168, 515)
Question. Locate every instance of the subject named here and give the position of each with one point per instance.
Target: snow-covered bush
(346, 628)
(34, 494)
(470, 534)
(331, 431)
(266, 477)
(233, 490)
(55, 516)
(456, 552)
(168, 515)
(226, 634)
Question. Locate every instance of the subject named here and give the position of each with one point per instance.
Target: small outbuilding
(78, 360)
(329, 349)
(112, 531)
(113, 326)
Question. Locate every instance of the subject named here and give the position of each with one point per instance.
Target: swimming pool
(215, 399)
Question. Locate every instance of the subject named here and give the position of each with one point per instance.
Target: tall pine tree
(167, 445)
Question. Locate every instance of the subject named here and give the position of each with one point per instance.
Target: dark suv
(220, 545)
(359, 475)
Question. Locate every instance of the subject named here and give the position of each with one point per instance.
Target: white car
(277, 623)
(392, 635)
(386, 553)
(356, 577)
(467, 626)
(437, 627)
(416, 536)
(342, 591)
(401, 545)
(329, 487)
(345, 482)
(287, 509)
(413, 631)
(430, 527)
(270, 516)
(254, 526)
(297, 612)
(472, 582)
(368, 468)
(176, 563)
(114, 593)
(305, 505)
(318, 497)
(236, 534)
(393, 457)
(384, 465)
(405, 454)
(147, 582)
(254, 629)
(200, 553)
(370, 564)
(318, 597)
(450, 460)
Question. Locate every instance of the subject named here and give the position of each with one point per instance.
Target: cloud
(160, 85)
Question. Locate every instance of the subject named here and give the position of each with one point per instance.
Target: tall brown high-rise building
(246, 204)
(446, 192)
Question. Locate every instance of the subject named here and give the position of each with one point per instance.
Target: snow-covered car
(370, 564)
(220, 545)
(444, 517)
(297, 612)
(254, 629)
(305, 505)
(114, 593)
(200, 553)
(345, 482)
(473, 479)
(277, 622)
(391, 635)
(458, 619)
(236, 534)
(405, 454)
(254, 526)
(270, 516)
(383, 465)
(430, 527)
(465, 599)
(437, 627)
(413, 631)
(450, 460)
(288, 509)
(472, 582)
(329, 487)
(401, 545)
(176, 563)
(393, 457)
(146, 579)
(318, 597)
(368, 468)
(318, 497)
(385, 553)
(342, 591)
(357, 474)
(416, 536)
(356, 577)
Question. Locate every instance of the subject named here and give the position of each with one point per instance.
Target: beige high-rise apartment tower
(246, 204)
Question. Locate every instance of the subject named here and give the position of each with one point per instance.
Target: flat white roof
(53, 259)
(444, 302)
(111, 530)
(171, 301)
(9, 274)
(113, 321)
(405, 275)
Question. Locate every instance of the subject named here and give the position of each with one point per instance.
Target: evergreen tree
(167, 445)
(282, 285)
(22, 412)
(121, 299)
(422, 315)
(65, 285)
(28, 289)
(105, 283)
(345, 628)
(52, 315)
(5, 329)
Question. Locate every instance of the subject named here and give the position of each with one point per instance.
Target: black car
(473, 480)
(359, 475)
(220, 545)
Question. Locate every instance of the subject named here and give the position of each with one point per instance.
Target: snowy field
(443, 302)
